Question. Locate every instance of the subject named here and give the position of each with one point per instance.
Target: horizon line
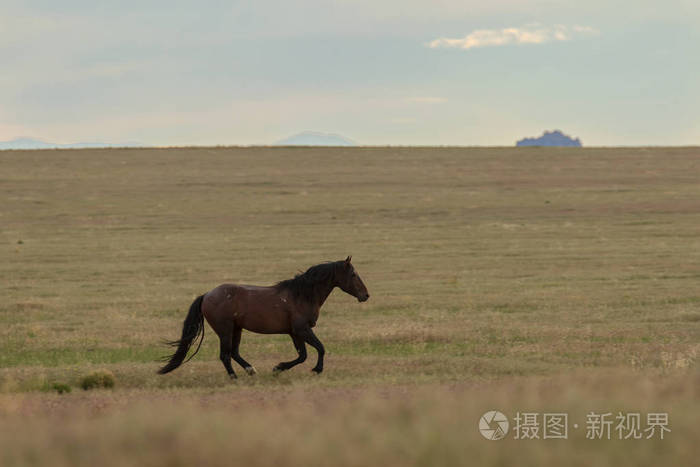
(357, 146)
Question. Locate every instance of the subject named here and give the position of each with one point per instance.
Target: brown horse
(288, 307)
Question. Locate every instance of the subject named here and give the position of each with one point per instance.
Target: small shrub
(97, 379)
(61, 388)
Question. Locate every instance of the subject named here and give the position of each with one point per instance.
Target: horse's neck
(323, 292)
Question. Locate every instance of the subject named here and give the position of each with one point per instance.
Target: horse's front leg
(301, 350)
(310, 338)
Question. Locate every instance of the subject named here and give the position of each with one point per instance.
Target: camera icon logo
(493, 425)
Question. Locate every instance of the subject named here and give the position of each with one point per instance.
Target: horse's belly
(257, 312)
(265, 321)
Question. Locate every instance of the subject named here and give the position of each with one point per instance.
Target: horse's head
(350, 282)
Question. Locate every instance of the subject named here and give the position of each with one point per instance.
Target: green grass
(486, 267)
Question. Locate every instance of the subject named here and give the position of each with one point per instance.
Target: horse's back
(255, 308)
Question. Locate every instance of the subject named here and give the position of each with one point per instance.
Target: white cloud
(529, 34)
(427, 100)
(402, 120)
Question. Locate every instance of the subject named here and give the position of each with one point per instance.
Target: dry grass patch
(485, 267)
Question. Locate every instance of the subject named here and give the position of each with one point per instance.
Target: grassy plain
(560, 280)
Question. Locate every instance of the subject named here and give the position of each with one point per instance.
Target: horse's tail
(191, 329)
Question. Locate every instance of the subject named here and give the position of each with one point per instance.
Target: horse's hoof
(317, 370)
(276, 370)
(233, 377)
(251, 370)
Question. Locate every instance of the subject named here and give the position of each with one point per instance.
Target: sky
(399, 72)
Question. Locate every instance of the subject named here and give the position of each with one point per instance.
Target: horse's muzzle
(363, 299)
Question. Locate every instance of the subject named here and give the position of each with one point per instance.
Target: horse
(290, 306)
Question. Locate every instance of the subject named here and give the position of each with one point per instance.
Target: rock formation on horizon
(551, 138)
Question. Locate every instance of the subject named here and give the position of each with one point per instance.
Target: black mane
(310, 284)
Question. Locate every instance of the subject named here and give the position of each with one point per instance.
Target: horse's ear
(347, 260)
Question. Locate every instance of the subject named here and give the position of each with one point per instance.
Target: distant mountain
(314, 138)
(551, 138)
(31, 143)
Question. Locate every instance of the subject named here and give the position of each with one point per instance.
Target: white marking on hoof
(251, 370)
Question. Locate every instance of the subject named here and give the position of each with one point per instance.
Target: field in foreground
(513, 279)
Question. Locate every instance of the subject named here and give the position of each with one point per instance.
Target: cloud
(427, 100)
(529, 34)
(402, 120)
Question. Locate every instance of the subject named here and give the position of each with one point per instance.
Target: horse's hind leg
(301, 350)
(236, 342)
(225, 353)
